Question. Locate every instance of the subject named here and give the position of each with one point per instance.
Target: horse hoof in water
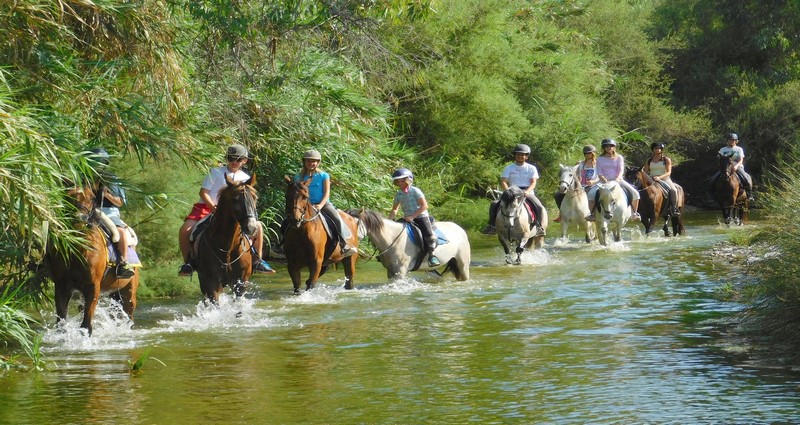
(239, 314)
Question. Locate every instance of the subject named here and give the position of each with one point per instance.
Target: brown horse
(729, 194)
(654, 203)
(223, 252)
(86, 269)
(306, 242)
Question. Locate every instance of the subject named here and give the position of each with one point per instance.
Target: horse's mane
(371, 219)
(510, 194)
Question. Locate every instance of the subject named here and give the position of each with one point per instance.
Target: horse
(86, 269)
(399, 254)
(223, 253)
(307, 243)
(729, 195)
(614, 211)
(575, 205)
(654, 202)
(513, 224)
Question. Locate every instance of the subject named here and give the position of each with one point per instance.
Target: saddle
(415, 235)
(625, 190)
(111, 252)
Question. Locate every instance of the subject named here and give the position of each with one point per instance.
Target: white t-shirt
(736, 152)
(520, 175)
(215, 180)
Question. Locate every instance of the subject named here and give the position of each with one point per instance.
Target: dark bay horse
(306, 242)
(86, 269)
(223, 252)
(729, 194)
(654, 202)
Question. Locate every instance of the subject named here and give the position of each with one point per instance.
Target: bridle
(572, 188)
(303, 210)
(250, 211)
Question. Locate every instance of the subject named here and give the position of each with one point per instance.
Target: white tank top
(658, 168)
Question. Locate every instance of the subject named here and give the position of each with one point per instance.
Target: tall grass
(774, 295)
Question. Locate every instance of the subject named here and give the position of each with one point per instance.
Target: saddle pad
(412, 234)
(133, 257)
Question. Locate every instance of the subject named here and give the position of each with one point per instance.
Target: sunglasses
(237, 159)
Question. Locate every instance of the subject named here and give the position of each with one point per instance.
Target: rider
(736, 154)
(611, 167)
(415, 208)
(113, 197)
(236, 156)
(659, 167)
(523, 175)
(587, 173)
(319, 192)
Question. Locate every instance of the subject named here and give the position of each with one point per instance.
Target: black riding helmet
(657, 145)
(731, 136)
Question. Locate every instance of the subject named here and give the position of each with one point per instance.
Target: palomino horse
(654, 202)
(729, 194)
(612, 204)
(86, 269)
(513, 224)
(575, 205)
(307, 243)
(399, 254)
(223, 251)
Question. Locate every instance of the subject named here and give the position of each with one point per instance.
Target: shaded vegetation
(445, 87)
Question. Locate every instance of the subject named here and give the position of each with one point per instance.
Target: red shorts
(199, 210)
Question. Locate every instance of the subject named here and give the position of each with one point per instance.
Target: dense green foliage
(445, 87)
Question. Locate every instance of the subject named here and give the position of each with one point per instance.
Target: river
(576, 334)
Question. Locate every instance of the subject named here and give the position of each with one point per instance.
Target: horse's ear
(287, 179)
(229, 180)
(252, 180)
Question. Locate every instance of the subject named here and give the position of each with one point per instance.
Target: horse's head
(724, 164)
(82, 198)
(633, 175)
(238, 201)
(609, 195)
(567, 178)
(297, 201)
(511, 198)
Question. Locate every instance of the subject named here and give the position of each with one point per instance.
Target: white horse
(400, 255)
(575, 205)
(513, 225)
(612, 205)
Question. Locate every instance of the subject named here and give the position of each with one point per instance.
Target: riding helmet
(608, 142)
(236, 150)
(312, 154)
(589, 149)
(657, 145)
(100, 155)
(402, 173)
(731, 136)
(522, 148)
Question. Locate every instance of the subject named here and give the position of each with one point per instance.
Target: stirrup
(186, 270)
(590, 217)
(433, 261)
(124, 270)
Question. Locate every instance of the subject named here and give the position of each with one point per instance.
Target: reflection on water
(576, 334)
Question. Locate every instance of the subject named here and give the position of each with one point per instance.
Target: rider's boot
(124, 270)
(347, 249)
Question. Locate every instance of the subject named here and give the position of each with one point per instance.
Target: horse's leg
(294, 273)
(349, 271)
(63, 293)
(91, 294)
(128, 295)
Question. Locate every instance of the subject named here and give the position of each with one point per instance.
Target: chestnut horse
(86, 269)
(223, 252)
(729, 194)
(654, 203)
(306, 242)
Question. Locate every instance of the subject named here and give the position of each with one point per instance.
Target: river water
(575, 335)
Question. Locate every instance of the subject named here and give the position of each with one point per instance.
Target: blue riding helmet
(402, 173)
(731, 136)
